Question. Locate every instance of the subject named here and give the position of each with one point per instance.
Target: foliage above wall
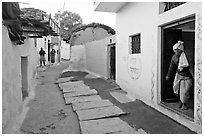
(68, 21)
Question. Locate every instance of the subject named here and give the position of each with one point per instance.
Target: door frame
(109, 46)
(159, 68)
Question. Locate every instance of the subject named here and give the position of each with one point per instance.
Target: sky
(83, 8)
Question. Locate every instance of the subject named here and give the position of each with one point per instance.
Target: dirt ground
(48, 113)
(141, 116)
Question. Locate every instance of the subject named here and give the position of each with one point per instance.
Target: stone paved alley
(69, 101)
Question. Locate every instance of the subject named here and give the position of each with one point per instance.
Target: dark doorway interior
(48, 51)
(24, 76)
(112, 62)
(183, 30)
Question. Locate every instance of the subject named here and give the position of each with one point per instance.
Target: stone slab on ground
(70, 100)
(65, 70)
(71, 84)
(64, 79)
(75, 89)
(113, 88)
(98, 113)
(91, 105)
(90, 76)
(139, 131)
(106, 126)
(121, 97)
(81, 93)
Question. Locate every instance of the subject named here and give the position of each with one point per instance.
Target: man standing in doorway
(42, 57)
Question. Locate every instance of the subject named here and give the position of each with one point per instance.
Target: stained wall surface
(97, 56)
(12, 101)
(133, 69)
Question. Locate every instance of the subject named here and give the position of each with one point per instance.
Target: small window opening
(135, 44)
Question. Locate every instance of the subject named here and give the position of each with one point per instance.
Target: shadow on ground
(140, 115)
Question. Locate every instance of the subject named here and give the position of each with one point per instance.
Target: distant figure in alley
(42, 57)
(52, 53)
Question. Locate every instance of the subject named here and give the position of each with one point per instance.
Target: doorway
(24, 76)
(111, 61)
(48, 50)
(183, 30)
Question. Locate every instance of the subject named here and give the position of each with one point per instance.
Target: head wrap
(179, 45)
(183, 62)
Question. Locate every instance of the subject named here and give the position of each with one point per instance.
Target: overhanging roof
(89, 33)
(108, 6)
(28, 20)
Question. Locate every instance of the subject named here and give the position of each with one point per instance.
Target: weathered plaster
(96, 57)
(78, 58)
(198, 79)
(147, 86)
(12, 103)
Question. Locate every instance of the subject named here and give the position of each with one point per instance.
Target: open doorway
(24, 76)
(183, 30)
(111, 52)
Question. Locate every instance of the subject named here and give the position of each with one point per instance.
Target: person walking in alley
(52, 53)
(42, 57)
(183, 80)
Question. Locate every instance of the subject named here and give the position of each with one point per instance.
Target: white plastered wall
(183, 11)
(65, 50)
(97, 56)
(12, 102)
(77, 58)
(136, 18)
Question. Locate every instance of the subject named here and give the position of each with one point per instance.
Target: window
(135, 44)
(170, 5)
(166, 6)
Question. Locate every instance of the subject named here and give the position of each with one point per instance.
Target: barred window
(170, 5)
(135, 44)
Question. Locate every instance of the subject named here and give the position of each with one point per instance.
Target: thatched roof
(93, 25)
(29, 20)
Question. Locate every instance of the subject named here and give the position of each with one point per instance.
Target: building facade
(92, 47)
(95, 57)
(19, 64)
(21, 41)
(145, 35)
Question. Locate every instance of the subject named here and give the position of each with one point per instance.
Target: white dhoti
(182, 86)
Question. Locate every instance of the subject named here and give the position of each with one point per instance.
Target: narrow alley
(70, 101)
(47, 111)
(90, 67)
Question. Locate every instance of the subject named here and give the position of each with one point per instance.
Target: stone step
(69, 89)
(71, 84)
(97, 113)
(106, 126)
(81, 93)
(70, 100)
(91, 105)
(62, 80)
(121, 97)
